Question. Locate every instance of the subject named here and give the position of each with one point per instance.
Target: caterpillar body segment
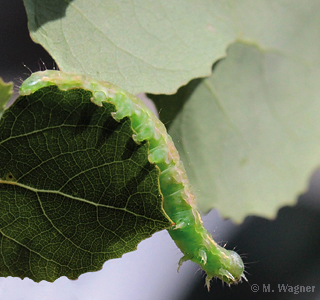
(188, 231)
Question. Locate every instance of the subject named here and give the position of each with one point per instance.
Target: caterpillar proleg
(188, 231)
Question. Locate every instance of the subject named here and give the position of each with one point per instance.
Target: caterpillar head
(233, 268)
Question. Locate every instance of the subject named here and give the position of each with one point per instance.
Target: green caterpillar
(188, 232)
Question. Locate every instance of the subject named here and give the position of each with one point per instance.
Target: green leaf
(6, 91)
(75, 189)
(249, 134)
(142, 46)
(157, 46)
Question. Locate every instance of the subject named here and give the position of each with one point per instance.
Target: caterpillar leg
(201, 254)
(181, 261)
(208, 280)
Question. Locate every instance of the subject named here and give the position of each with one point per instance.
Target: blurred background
(284, 251)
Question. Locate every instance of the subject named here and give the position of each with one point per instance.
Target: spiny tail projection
(179, 203)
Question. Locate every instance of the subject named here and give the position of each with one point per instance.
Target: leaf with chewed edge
(75, 189)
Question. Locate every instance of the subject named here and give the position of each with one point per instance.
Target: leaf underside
(157, 46)
(75, 189)
(249, 134)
